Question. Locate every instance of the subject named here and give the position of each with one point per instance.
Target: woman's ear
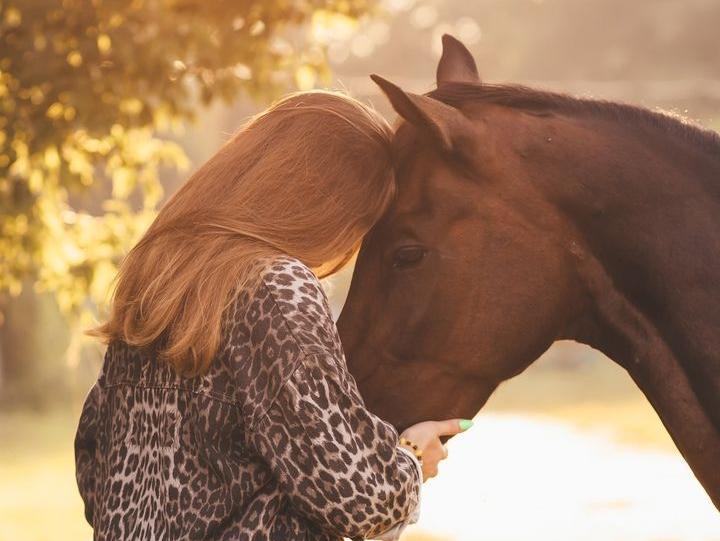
(447, 124)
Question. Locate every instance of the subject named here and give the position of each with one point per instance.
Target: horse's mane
(541, 101)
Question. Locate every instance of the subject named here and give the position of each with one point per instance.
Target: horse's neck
(647, 210)
(647, 214)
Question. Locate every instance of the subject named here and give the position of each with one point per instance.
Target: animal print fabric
(274, 442)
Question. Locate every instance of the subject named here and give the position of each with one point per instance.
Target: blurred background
(106, 106)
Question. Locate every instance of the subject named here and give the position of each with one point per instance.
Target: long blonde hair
(308, 177)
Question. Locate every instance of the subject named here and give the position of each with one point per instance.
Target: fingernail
(465, 424)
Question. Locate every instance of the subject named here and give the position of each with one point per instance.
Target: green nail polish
(465, 424)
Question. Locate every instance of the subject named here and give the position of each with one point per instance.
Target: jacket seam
(137, 385)
(286, 320)
(305, 352)
(260, 417)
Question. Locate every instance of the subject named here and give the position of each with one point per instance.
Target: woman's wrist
(412, 447)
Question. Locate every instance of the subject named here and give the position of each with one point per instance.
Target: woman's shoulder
(285, 320)
(293, 285)
(301, 301)
(283, 269)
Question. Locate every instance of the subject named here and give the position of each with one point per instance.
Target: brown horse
(524, 217)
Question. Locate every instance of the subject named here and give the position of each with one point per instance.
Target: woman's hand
(426, 436)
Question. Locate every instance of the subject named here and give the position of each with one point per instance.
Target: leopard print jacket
(273, 442)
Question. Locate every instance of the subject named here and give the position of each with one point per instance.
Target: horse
(523, 217)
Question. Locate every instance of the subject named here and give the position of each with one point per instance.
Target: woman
(224, 408)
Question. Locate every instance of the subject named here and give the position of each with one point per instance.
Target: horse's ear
(457, 64)
(446, 123)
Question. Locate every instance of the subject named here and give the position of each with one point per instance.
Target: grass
(575, 384)
(38, 497)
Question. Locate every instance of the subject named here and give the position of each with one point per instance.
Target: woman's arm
(85, 445)
(338, 462)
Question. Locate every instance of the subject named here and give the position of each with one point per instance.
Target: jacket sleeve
(338, 462)
(85, 450)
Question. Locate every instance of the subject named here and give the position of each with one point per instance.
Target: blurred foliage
(87, 88)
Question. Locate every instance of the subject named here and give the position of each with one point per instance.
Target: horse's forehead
(420, 179)
(415, 182)
(416, 158)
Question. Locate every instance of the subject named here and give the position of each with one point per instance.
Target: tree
(89, 91)
(87, 86)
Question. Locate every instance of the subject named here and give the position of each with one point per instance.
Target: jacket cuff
(394, 533)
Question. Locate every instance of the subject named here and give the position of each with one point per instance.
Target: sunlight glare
(566, 484)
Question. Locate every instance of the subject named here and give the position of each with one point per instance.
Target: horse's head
(465, 281)
(524, 217)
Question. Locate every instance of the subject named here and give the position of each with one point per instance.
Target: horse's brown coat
(526, 217)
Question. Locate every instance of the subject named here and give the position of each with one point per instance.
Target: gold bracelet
(415, 449)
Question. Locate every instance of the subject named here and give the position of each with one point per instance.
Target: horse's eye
(407, 256)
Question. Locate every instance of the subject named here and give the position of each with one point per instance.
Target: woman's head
(307, 177)
(310, 175)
